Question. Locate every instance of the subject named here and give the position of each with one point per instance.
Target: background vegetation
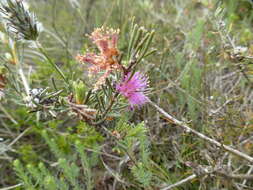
(201, 73)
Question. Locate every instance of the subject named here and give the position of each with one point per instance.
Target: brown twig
(234, 176)
(202, 136)
(12, 187)
(219, 173)
(189, 178)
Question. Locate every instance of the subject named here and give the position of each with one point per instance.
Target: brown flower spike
(106, 40)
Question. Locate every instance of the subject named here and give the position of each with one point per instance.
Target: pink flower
(133, 87)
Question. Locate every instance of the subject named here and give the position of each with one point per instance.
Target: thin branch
(25, 83)
(207, 172)
(249, 172)
(12, 187)
(235, 176)
(189, 178)
(18, 137)
(41, 49)
(20, 69)
(113, 172)
(8, 114)
(200, 135)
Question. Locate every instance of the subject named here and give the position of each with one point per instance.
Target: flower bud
(79, 92)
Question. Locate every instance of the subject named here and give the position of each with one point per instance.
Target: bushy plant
(84, 85)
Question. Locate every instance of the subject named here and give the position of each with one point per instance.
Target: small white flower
(36, 91)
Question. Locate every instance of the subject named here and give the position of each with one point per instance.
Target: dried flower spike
(106, 40)
(133, 87)
(19, 21)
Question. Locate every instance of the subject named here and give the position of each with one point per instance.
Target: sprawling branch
(200, 135)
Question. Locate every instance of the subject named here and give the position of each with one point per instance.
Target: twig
(12, 187)
(20, 69)
(249, 171)
(8, 114)
(235, 176)
(206, 171)
(112, 172)
(25, 83)
(40, 48)
(18, 137)
(121, 145)
(189, 178)
(123, 161)
(200, 135)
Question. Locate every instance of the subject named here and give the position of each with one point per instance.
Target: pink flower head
(133, 88)
(106, 40)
